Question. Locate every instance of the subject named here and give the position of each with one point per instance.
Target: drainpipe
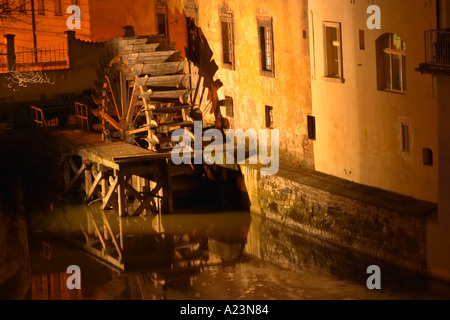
(11, 51)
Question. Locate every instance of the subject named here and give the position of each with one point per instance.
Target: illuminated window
(41, 6)
(266, 46)
(58, 7)
(391, 63)
(226, 23)
(161, 20)
(333, 50)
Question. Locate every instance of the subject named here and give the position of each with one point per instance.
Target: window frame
(162, 9)
(327, 75)
(227, 17)
(266, 22)
(381, 68)
(269, 117)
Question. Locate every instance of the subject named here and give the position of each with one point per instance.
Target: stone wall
(378, 230)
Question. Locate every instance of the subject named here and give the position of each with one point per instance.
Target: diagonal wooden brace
(110, 193)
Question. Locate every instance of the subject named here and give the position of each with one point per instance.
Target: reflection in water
(199, 256)
(14, 257)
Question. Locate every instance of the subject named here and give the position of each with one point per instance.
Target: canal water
(196, 256)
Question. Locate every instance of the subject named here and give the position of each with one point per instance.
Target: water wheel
(142, 92)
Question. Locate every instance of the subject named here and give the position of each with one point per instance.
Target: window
(405, 138)
(161, 20)
(226, 24)
(22, 6)
(362, 40)
(311, 128)
(269, 117)
(41, 6)
(58, 8)
(428, 157)
(266, 46)
(333, 50)
(391, 63)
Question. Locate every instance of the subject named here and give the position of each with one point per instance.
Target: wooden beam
(113, 237)
(75, 179)
(171, 94)
(97, 230)
(151, 57)
(108, 118)
(159, 69)
(98, 178)
(132, 190)
(107, 199)
(121, 195)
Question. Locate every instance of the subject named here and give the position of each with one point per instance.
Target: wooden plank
(151, 57)
(107, 199)
(137, 48)
(176, 109)
(160, 69)
(130, 42)
(175, 124)
(170, 94)
(172, 81)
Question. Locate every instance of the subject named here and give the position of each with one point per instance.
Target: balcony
(437, 52)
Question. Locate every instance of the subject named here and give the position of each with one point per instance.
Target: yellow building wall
(288, 93)
(108, 17)
(358, 126)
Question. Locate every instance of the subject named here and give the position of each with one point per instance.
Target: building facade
(436, 68)
(376, 117)
(258, 54)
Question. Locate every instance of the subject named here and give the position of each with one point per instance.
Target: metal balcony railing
(437, 46)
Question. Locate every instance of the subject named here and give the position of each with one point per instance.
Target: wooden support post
(107, 198)
(98, 179)
(104, 186)
(121, 194)
(167, 203)
(87, 177)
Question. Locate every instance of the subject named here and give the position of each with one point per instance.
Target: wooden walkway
(117, 172)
